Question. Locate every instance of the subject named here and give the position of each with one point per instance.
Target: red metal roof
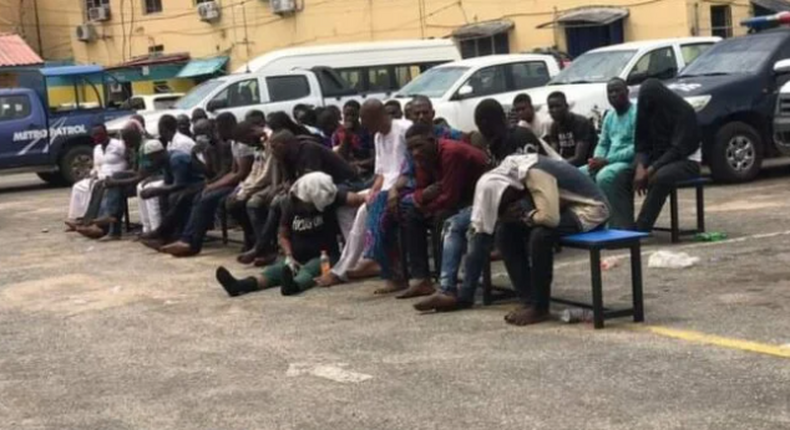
(148, 60)
(14, 52)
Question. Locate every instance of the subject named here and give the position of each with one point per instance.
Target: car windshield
(741, 55)
(434, 82)
(200, 92)
(594, 67)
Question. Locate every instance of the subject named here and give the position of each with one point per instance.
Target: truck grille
(784, 106)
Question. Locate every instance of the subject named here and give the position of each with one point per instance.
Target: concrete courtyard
(115, 336)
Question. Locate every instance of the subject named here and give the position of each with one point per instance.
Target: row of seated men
(376, 183)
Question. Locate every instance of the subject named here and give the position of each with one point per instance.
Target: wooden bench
(699, 185)
(595, 242)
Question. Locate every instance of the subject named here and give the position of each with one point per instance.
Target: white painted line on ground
(333, 372)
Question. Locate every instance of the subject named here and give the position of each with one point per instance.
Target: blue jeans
(453, 248)
(201, 219)
(479, 255)
(112, 204)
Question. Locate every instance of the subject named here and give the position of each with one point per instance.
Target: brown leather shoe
(91, 232)
(441, 302)
(178, 249)
(266, 260)
(247, 258)
(527, 315)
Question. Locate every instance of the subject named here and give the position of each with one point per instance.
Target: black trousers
(665, 179)
(179, 207)
(528, 253)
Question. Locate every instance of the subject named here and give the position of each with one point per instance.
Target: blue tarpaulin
(202, 67)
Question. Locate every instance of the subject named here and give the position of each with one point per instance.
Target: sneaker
(289, 287)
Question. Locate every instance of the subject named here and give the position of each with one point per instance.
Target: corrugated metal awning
(586, 16)
(203, 67)
(14, 52)
(482, 29)
(773, 5)
(71, 70)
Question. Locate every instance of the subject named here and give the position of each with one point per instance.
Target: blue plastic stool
(595, 242)
(699, 185)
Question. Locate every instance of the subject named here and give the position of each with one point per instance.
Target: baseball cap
(152, 146)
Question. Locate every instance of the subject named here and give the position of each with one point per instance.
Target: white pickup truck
(584, 81)
(240, 93)
(456, 88)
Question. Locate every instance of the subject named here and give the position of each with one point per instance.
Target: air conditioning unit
(209, 11)
(101, 13)
(85, 33)
(283, 6)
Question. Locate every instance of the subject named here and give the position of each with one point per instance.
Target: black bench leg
(223, 220)
(126, 215)
(636, 282)
(700, 209)
(597, 287)
(673, 208)
(487, 284)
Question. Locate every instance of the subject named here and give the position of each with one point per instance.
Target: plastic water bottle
(326, 266)
(576, 315)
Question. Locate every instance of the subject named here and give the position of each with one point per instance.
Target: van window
(404, 74)
(490, 80)
(659, 63)
(242, 93)
(691, 52)
(353, 78)
(14, 107)
(379, 79)
(528, 75)
(284, 88)
(164, 103)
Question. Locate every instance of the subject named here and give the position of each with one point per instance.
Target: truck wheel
(737, 153)
(53, 178)
(76, 163)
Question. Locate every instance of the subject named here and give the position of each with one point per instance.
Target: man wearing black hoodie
(667, 148)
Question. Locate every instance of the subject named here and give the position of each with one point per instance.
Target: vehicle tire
(53, 178)
(737, 153)
(76, 163)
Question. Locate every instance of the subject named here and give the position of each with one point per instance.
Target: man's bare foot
(91, 232)
(364, 269)
(109, 238)
(178, 249)
(422, 288)
(442, 302)
(526, 315)
(391, 286)
(71, 225)
(328, 280)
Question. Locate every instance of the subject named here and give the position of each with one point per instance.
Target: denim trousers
(204, 207)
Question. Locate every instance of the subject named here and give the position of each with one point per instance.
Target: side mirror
(782, 67)
(637, 78)
(216, 104)
(465, 91)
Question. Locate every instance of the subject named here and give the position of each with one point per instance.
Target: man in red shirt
(446, 173)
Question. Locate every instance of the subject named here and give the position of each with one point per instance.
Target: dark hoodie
(306, 155)
(666, 126)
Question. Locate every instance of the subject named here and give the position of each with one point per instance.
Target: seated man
(354, 143)
(612, 162)
(502, 139)
(572, 135)
(183, 179)
(523, 115)
(206, 203)
(451, 172)
(667, 148)
(307, 229)
(535, 200)
(393, 109)
(422, 112)
(184, 125)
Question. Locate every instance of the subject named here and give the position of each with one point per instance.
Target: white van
(456, 88)
(241, 93)
(584, 81)
(375, 69)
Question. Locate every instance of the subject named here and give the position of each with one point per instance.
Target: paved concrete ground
(115, 336)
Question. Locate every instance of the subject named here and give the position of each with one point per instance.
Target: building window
(721, 21)
(90, 4)
(197, 2)
(153, 6)
(496, 44)
(156, 49)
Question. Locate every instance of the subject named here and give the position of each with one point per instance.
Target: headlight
(698, 102)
